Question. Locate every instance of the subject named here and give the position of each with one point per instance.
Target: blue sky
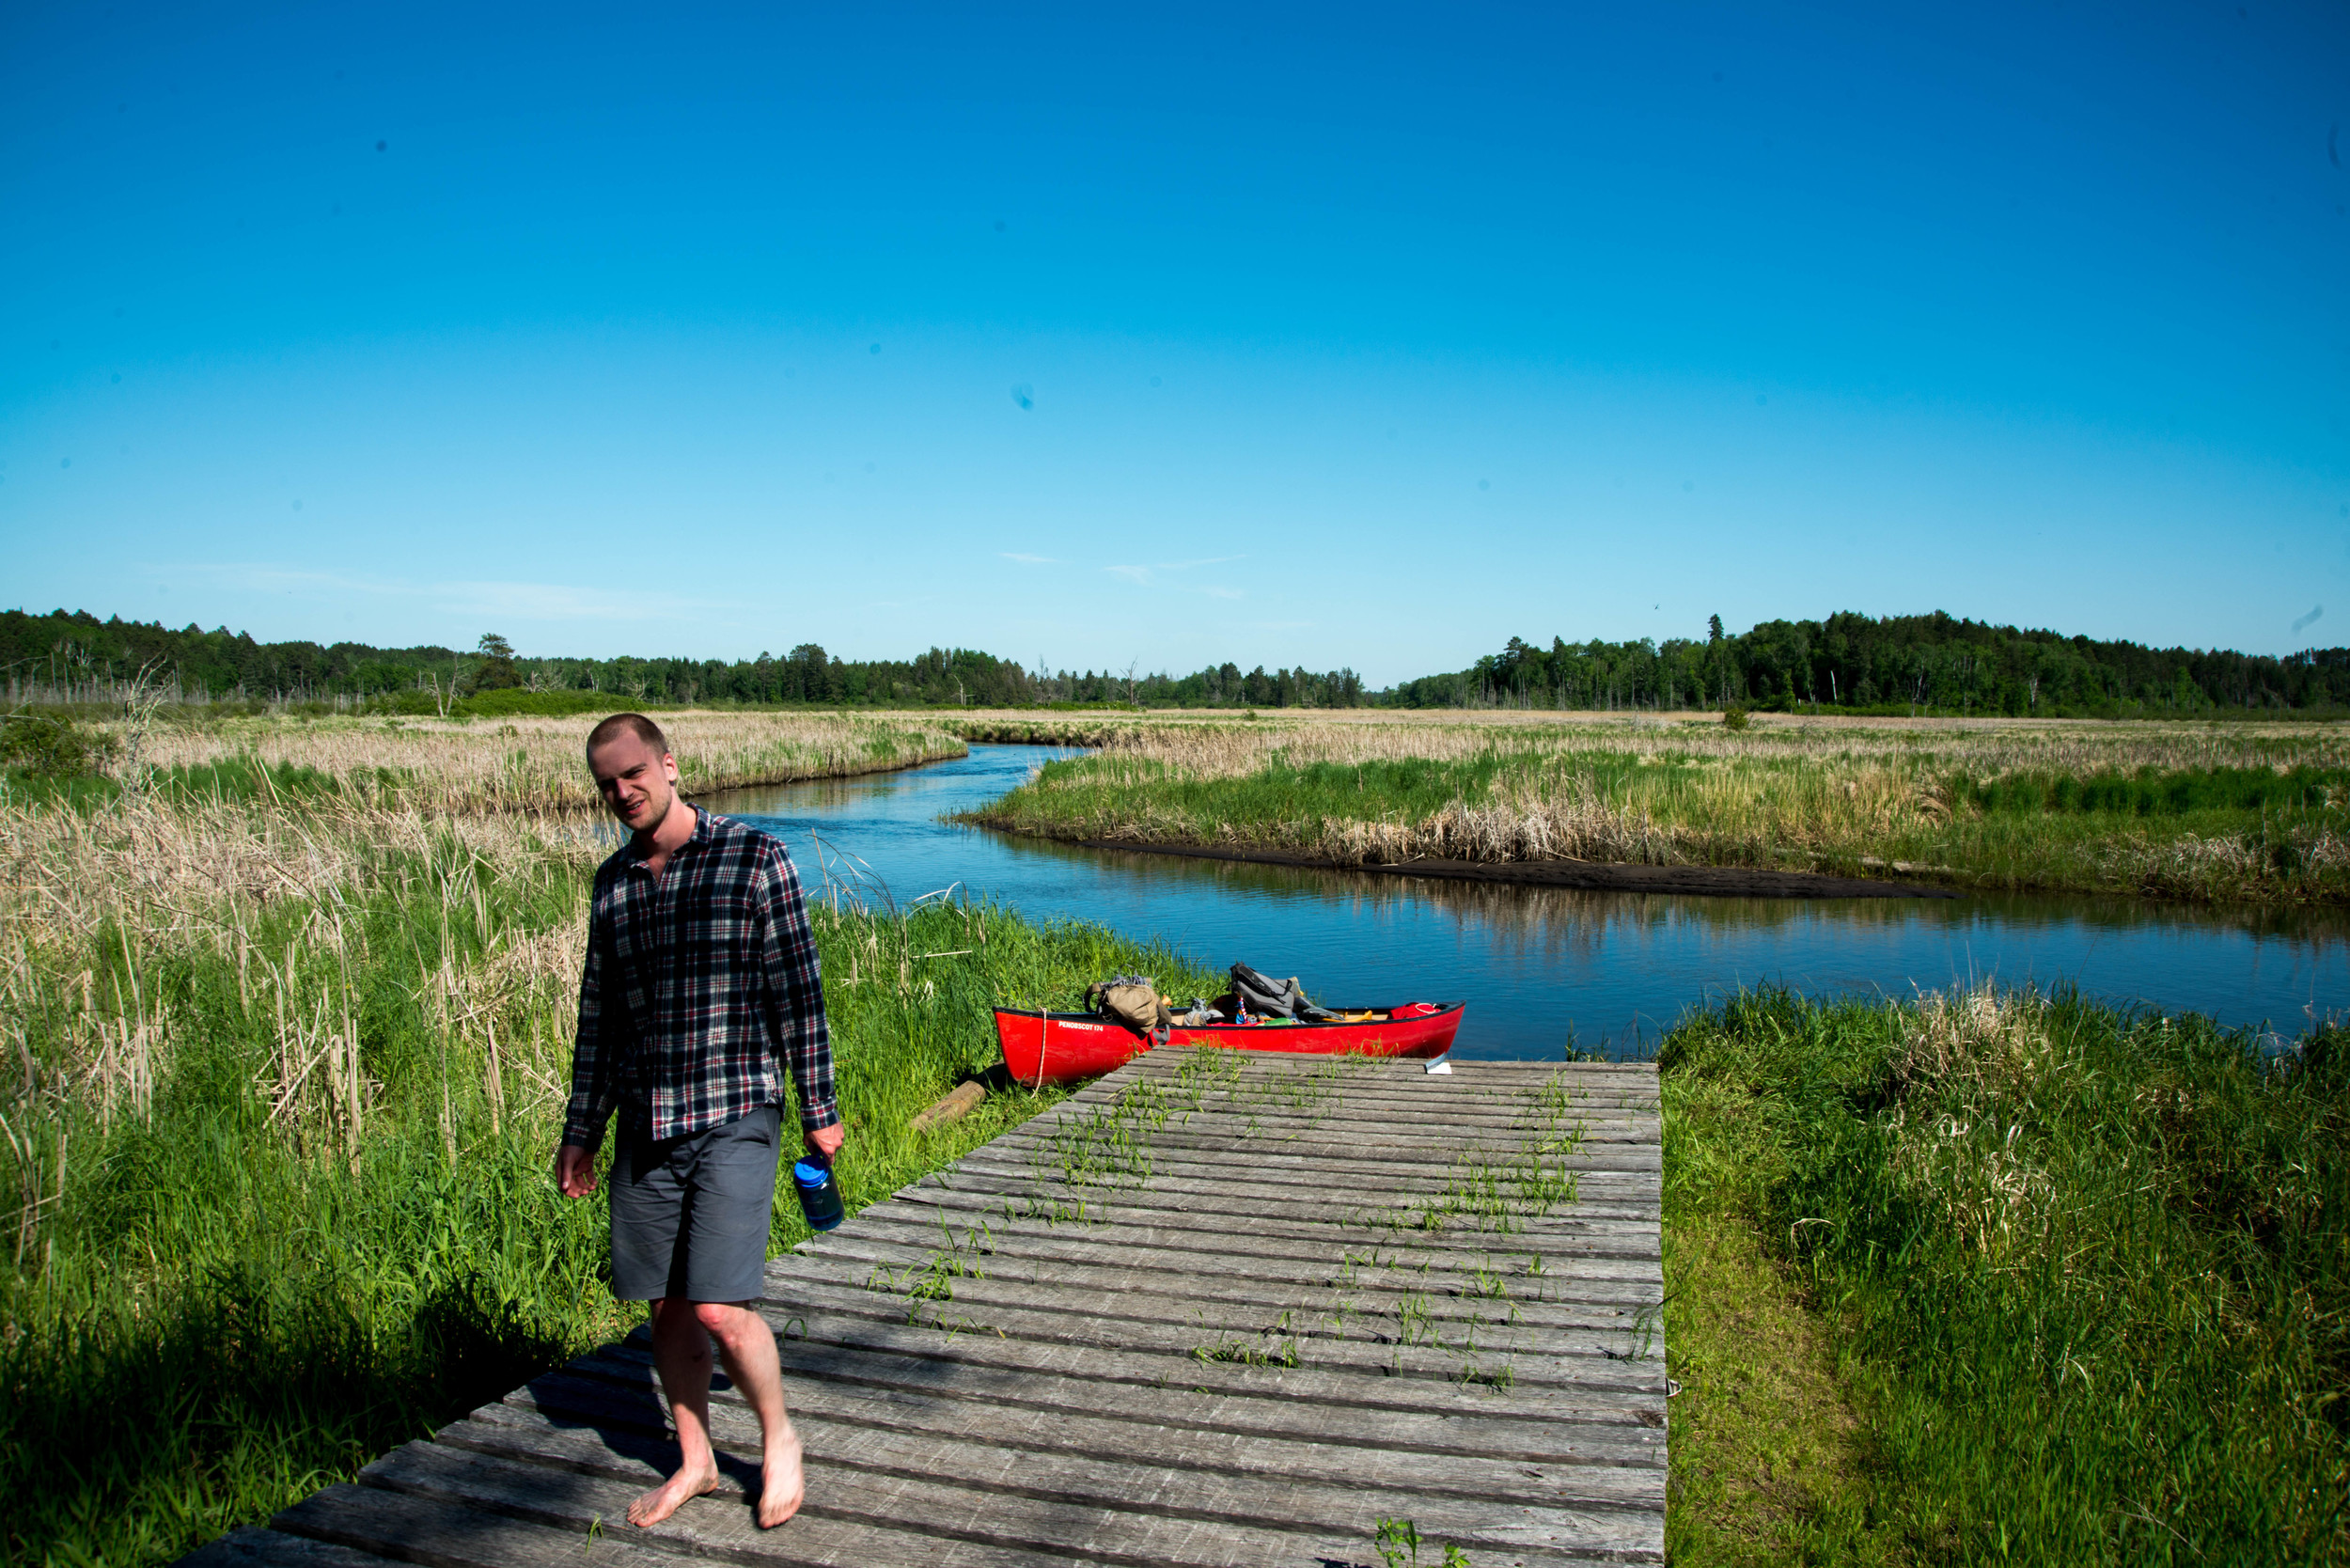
(1350, 336)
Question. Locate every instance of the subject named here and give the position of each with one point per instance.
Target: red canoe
(1053, 1047)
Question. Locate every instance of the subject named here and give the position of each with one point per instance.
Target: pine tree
(497, 665)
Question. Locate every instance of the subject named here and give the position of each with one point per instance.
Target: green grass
(2256, 831)
(1769, 1463)
(80, 792)
(2013, 1280)
(235, 778)
(2154, 793)
(225, 1283)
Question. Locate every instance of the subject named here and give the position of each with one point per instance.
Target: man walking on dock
(700, 986)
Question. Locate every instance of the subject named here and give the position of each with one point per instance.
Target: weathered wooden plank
(1173, 1219)
(1360, 1077)
(841, 1424)
(1423, 1159)
(1073, 1367)
(829, 1373)
(1425, 1119)
(1399, 1119)
(1410, 1091)
(879, 1519)
(1557, 1297)
(1414, 1091)
(1359, 1069)
(1428, 1118)
(932, 1204)
(1077, 1532)
(1189, 1508)
(1481, 1422)
(1371, 1319)
(1366, 1389)
(1257, 1086)
(251, 1546)
(1452, 1250)
(1378, 1139)
(1339, 1448)
(437, 1483)
(1145, 1288)
(1442, 1142)
(447, 1533)
(1621, 1200)
(1174, 1174)
(1451, 1125)
(1536, 1355)
(1346, 1210)
(1241, 1211)
(1180, 1148)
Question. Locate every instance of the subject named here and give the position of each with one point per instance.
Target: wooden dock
(1218, 1309)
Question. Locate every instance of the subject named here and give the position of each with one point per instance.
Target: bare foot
(782, 1483)
(664, 1500)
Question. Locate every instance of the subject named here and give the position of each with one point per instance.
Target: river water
(1541, 966)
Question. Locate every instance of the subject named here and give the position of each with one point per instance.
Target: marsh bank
(1542, 966)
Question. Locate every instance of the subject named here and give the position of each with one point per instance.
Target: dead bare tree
(143, 695)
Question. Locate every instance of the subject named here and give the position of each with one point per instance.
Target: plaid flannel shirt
(699, 987)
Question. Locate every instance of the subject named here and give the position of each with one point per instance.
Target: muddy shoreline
(1724, 882)
(702, 796)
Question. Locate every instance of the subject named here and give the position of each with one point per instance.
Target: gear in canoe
(1128, 1016)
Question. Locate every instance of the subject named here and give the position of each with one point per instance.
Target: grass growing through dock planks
(2000, 1278)
(1397, 1290)
(285, 1080)
(2203, 811)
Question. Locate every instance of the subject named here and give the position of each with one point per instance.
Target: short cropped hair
(635, 724)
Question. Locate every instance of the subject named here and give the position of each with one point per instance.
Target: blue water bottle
(819, 1195)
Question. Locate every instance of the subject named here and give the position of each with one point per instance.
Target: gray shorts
(690, 1215)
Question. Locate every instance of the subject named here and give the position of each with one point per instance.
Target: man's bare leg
(681, 1349)
(747, 1347)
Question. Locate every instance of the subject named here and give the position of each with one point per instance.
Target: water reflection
(1544, 966)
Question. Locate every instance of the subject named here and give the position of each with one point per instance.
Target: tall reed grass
(2194, 811)
(285, 1082)
(524, 763)
(2086, 1271)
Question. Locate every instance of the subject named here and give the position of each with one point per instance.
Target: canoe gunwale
(1098, 1045)
(1442, 1009)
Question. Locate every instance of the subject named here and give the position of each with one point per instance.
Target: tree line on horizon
(1848, 662)
(1889, 664)
(72, 653)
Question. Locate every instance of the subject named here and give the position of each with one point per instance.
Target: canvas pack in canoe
(1054, 1047)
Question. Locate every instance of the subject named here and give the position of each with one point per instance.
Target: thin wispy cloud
(506, 600)
(1146, 576)
(262, 577)
(564, 602)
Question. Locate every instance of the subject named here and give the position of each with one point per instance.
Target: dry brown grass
(528, 764)
(186, 870)
(1212, 746)
(87, 899)
(1845, 795)
(88, 896)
